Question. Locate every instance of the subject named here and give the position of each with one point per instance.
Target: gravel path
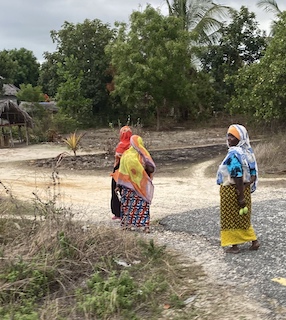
(254, 271)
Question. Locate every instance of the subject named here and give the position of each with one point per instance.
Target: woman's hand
(149, 169)
(242, 203)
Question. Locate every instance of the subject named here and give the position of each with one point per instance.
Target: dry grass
(49, 261)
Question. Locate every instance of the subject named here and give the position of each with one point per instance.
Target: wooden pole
(27, 135)
(11, 137)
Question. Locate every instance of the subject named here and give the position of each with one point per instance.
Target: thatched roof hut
(12, 115)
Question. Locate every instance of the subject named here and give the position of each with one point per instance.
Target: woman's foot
(115, 218)
(233, 249)
(255, 245)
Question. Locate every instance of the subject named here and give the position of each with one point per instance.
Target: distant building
(12, 115)
(9, 92)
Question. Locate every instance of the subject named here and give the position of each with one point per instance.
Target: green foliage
(152, 61)
(82, 69)
(35, 280)
(67, 249)
(71, 99)
(50, 78)
(107, 297)
(151, 250)
(30, 94)
(8, 67)
(201, 18)
(63, 123)
(24, 312)
(260, 89)
(19, 66)
(241, 44)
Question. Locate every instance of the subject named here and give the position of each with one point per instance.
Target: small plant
(73, 141)
(108, 296)
(151, 250)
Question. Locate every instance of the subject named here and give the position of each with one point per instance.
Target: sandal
(255, 245)
(233, 249)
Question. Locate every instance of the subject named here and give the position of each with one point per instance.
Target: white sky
(27, 23)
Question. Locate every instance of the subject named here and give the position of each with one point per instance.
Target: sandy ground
(89, 191)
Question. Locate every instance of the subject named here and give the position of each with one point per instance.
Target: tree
(29, 93)
(260, 89)
(242, 43)
(270, 6)
(71, 98)
(200, 17)
(27, 67)
(84, 44)
(151, 62)
(49, 78)
(8, 67)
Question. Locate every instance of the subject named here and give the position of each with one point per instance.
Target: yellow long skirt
(235, 228)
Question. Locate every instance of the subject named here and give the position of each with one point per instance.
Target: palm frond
(269, 6)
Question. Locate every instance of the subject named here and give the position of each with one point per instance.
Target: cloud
(28, 23)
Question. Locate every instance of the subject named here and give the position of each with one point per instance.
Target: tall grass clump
(54, 267)
(270, 154)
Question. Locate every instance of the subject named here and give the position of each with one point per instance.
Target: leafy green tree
(8, 67)
(260, 89)
(27, 67)
(152, 62)
(70, 96)
(49, 78)
(29, 93)
(242, 43)
(84, 44)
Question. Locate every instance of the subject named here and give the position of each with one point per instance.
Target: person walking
(135, 175)
(125, 134)
(237, 176)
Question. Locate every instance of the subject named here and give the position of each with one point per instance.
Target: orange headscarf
(132, 172)
(233, 130)
(124, 137)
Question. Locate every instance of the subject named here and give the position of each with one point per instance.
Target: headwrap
(244, 154)
(233, 130)
(132, 172)
(124, 137)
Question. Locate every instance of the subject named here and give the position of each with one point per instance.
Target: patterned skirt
(135, 211)
(235, 228)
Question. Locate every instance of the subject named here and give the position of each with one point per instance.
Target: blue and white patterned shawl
(244, 154)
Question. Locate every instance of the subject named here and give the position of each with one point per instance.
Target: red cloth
(124, 137)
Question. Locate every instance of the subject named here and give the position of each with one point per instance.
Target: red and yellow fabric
(124, 143)
(132, 174)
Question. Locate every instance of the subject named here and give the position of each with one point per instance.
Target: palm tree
(201, 17)
(270, 6)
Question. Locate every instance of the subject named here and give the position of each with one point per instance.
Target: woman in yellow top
(237, 176)
(135, 177)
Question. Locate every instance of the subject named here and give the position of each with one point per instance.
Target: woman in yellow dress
(237, 176)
